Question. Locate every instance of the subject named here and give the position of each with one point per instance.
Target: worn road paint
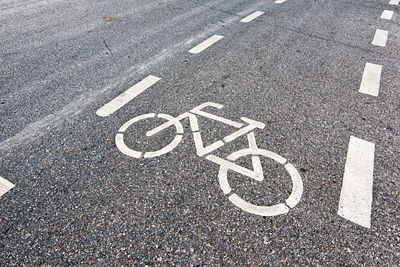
(5, 186)
(252, 16)
(356, 194)
(380, 38)
(371, 79)
(394, 2)
(127, 96)
(387, 14)
(205, 44)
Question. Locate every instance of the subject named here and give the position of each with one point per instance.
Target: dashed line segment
(356, 195)
(380, 38)
(205, 44)
(371, 79)
(252, 16)
(387, 14)
(127, 96)
(5, 186)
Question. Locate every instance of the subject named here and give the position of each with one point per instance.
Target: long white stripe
(380, 37)
(356, 195)
(200, 47)
(5, 186)
(394, 2)
(371, 79)
(280, 1)
(252, 16)
(127, 96)
(387, 14)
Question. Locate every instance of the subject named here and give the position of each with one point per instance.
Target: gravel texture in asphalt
(297, 68)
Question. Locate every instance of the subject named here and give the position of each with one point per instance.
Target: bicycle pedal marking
(225, 164)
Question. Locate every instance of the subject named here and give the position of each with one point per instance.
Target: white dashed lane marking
(280, 1)
(252, 16)
(371, 79)
(127, 96)
(394, 2)
(356, 195)
(205, 44)
(387, 14)
(380, 38)
(5, 186)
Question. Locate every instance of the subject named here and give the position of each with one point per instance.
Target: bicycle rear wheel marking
(273, 210)
(119, 138)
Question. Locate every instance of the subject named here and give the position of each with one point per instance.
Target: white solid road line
(252, 16)
(200, 47)
(356, 195)
(280, 1)
(387, 14)
(380, 38)
(127, 96)
(394, 2)
(371, 79)
(5, 186)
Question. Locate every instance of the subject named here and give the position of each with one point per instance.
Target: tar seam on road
(380, 38)
(356, 194)
(127, 96)
(5, 186)
(205, 44)
(371, 79)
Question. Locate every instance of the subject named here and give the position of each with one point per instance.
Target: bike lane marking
(252, 16)
(127, 96)
(119, 138)
(394, 2)
(380, 38)
(205, 44)
(387, 14)
(356, 195)
(5, 186)
(371, 79)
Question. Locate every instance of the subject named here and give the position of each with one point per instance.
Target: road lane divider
(127, 96)
(387, 14)
(371, 79)
(5, 186)
(280, 1)
(394, 2)
(380, 38)
(356, 195)
(252, 16)
(205, 44)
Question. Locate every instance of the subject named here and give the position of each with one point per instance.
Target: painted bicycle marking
(246, 127)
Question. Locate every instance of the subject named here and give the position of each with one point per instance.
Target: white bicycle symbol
(225, 164)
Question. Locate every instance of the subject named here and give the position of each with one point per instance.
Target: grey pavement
(297, 68)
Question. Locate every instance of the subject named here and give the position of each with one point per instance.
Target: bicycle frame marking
(225, 164)
(200, 149)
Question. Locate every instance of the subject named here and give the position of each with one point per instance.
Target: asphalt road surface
(292, 160)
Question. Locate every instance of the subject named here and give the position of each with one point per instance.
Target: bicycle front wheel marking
(119, 138)
(273, 210)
